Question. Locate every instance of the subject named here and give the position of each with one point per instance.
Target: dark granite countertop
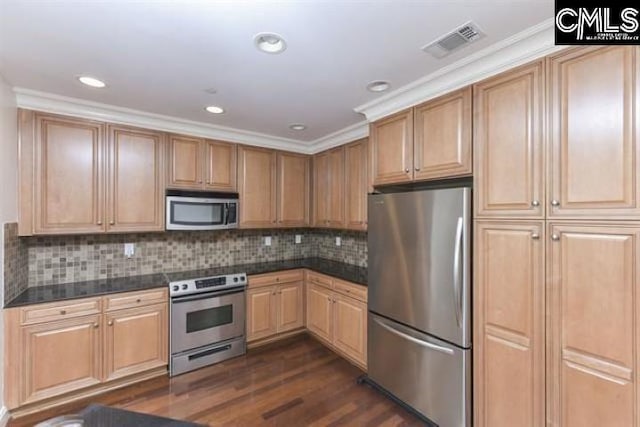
(68, 291)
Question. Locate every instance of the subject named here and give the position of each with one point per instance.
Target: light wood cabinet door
(220, 167)
(69, 175)
(257, 187)
(60, 357)
(509, 335)
(391, 149)
(185, 162)
(508, 144)
(336, 203)
(350, 327)
(592, 360)
(135, 340)
(135, 194)
(293, 190)
(442, 136)
(262, 315)
(356, 183)
(321, 189)
(319, 311)
(593, 122)
(290, 306)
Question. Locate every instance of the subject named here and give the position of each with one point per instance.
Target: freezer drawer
(430, 375)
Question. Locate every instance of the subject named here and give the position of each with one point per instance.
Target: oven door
(207, 318)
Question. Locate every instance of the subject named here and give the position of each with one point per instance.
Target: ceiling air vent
(461, 36)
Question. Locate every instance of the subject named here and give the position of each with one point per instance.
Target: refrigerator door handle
(457, 277)
(414, 340)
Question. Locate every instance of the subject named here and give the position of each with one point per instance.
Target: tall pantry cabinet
(557, 227)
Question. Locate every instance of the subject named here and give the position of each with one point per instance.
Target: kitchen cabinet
(114, 183)
(356, 184)
(509, 323)
(594, 98)
(257, 187)
(293, 182)
(201, 164)
(337, 315)
(508, 144)
(429, 141)
(56, 352)
(593, 324)
(329, 188)
(275, 304)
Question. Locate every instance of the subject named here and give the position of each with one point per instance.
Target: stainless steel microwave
(200, 210)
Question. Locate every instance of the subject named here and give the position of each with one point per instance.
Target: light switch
(298, 238)
(129, 249)
(338, 241)
(267, 241)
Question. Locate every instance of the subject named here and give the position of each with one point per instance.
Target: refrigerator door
(428, 374)
(419, 268)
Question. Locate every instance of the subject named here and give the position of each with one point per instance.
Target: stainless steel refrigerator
(420, 301)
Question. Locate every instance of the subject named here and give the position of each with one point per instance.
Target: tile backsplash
(65, 259)
(15, 262)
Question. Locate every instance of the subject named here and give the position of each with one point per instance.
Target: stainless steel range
(207, 321)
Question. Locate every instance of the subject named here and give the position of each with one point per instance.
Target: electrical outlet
(267, 241)
(298, 238)
(129, 249)
(338, 241)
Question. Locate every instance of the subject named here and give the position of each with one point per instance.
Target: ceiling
(161, 56)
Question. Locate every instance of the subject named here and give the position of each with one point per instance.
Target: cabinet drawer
(350, 289)
(134, 299)
(275, 278)
(319, 279)
(41, 313)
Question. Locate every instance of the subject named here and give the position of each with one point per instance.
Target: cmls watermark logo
(578, 23)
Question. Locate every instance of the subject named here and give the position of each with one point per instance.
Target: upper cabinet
(442, 137)
(77, 177)
(508, 144)
(593, 127)
(273, 187)
(199, 164)
(430, 141)
(329, 188)
(356, 182)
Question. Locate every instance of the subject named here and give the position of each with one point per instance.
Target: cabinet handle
(554, 202)
(555, 237)
(63, 312)
(110, 323)
(96, 325)
(535, 203)
(406, 170)
(535, 236)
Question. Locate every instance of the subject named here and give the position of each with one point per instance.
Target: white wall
(8, 195)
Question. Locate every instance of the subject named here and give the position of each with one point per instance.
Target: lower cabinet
(60, 350)
(339, 319)
(273, 309)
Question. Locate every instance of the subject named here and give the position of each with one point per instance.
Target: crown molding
(58, 104)
(340, 137)
(530, 44)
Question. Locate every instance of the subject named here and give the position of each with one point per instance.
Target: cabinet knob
(110, 323)
(200, 182)
(535, 203)
(555, 237)
(138, 300)
(329, 299)
(406, 170)
(274, 293)
(277, 279)
(535, 236)
(417, 169)
(112, 223)
(99, 222)
(554, 202)
(96, 325)
(63, 312)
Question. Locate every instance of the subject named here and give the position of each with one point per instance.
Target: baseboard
(274, 338)
(4, 416)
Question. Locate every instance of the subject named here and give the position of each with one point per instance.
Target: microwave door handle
(226, 213)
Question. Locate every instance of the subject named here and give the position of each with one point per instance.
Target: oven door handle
(197, 297)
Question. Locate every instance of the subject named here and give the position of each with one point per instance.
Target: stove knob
(184, 287)
(235, 279)
(242, 279)
(176, 288)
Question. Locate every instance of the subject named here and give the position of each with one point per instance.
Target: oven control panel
(207, 284)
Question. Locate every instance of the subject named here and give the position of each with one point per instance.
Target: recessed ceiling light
(91, 81)
(270, 42)
(215, 109)
(297, 126)
(378, 86)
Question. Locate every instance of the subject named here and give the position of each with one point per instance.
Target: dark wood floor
(296, 382)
